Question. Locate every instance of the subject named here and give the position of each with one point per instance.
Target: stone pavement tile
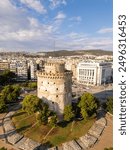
(101, 121)
(8, 126)
(27, 144)
(88, 140)
(81, 144)
(66, 146)
(14, 138)
(96, 130)
(74, 145)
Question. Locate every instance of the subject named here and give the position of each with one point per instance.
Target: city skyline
(35, 25)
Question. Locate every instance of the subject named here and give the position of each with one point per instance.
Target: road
(101, 92)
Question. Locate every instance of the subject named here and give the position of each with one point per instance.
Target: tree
(43, 114)
(68, 113)
(32, 85)
(3, 106)
(88, 105)
(109, 105)
(6, 93)
(10, 93)
(53, 121)
(10, 97)
(6, 77)
(42, 118)
(31, 104)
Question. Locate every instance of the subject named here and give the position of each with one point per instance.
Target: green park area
(26, 125)
(36, 121)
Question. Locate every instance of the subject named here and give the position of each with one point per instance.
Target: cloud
(20, 30)
(56, 3)
(105, 30)
(82, 41)
(34, 4)
(77, 19)
(60, 16)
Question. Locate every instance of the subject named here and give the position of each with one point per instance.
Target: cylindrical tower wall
(55, 89)
(54, 67)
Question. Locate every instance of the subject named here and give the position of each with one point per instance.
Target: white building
(94, 73)
(22, 70)
(32, 70)
(13, 66)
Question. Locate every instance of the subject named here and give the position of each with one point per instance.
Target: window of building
(57, 89)
(56, 95)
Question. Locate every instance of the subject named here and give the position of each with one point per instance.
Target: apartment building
(22, 70)
(4, 65)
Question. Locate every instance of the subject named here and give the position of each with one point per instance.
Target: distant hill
(60, 53)
(78, 52)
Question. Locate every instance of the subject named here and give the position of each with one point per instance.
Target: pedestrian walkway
(106, 139)
(2, 136)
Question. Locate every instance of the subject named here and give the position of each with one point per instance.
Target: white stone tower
(54, 86)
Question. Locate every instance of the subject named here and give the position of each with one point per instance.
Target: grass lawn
(26, 124)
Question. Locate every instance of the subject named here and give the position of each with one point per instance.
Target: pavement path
(2, 136)
(106, 139)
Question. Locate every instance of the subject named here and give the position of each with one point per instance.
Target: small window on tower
(57, 89)
(56, 95)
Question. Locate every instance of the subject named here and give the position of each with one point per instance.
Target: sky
(46, 25)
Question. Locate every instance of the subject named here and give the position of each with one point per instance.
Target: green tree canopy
(10, 93)
(109, 105)
(6, 77)
(88, 105)
(31, 104)
(3, 106)
(43, 114)
(32, 85)
(53, 121)
(68, 113)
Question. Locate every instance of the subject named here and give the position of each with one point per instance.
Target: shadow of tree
(18, 114)
(46, 145)
(63, 124)
(2, 136)
(23, 128)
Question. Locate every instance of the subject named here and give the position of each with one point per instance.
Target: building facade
(4, 65)
(32, 66)
(91, 73)
(54, 86)
(22, 70)
(13, 66)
